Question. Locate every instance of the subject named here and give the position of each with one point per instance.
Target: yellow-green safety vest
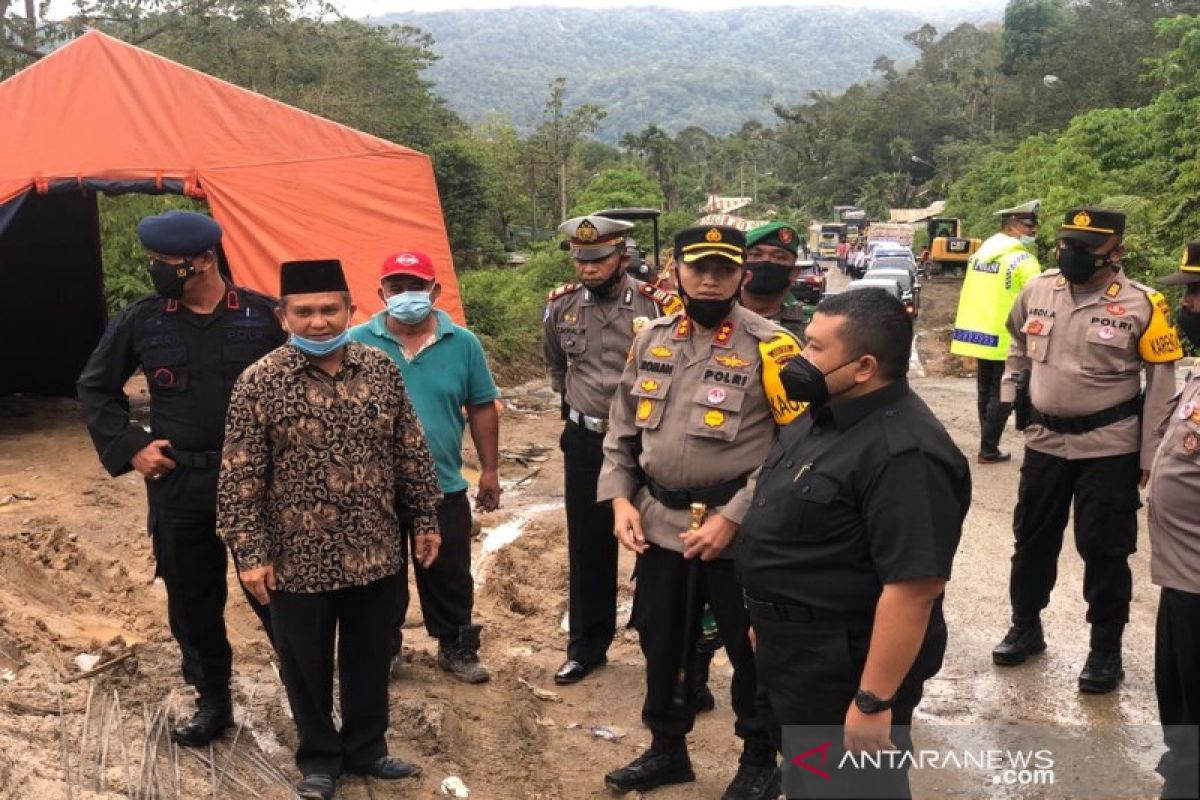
(995, 275)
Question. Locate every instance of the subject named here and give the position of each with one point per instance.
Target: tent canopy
(99, 114)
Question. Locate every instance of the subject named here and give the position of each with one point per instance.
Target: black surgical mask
(1188, 323)
(169, 279)
(1079, 266)
(804, 382)
(707, 313)
(767, 277)
(605, 287)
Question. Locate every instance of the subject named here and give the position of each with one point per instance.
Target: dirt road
(76, 577)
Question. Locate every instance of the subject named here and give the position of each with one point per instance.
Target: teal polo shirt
(445, 376)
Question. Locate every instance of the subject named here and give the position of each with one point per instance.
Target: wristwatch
(869, 703)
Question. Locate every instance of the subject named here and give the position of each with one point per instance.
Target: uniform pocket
(236, 357)
(573, 340)
(650, 392)
(715, 411)
(1107, 350)
(809, 504)
(166, 370)
(1037, 337)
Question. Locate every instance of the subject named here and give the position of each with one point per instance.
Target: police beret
(1189, 268)
(312, 277)
(701, 241)
(1090, 225)
(592, 237)
(179, 233)
(775, 234)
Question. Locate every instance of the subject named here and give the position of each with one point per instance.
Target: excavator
(948, 250)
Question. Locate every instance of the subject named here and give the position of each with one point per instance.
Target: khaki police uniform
(585, 339)
(1175, 566)
(693, 418)
(1092, 432)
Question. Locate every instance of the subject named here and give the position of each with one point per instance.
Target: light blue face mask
(409, 307)
(1027, 240)
(318, 348)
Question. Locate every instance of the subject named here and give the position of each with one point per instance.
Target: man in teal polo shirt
(444, 372)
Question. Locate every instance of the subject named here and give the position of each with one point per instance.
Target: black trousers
(1177, 683)
(993, 415)
(808, 674)
(591, 548)
(1105, 493)
(359, 618)
(659, 614)
(446, 590)
(193, 563)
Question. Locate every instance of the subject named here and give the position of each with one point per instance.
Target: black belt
(788, 612)
(203, 459)
(1088, 422)
(682, 499)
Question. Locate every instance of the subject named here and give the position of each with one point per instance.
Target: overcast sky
(361, 8)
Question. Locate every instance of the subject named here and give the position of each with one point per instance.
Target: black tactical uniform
(190, 362)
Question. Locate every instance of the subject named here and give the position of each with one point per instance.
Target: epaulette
(663, 298)
(563, 291)
(265, 299)
(899, 437)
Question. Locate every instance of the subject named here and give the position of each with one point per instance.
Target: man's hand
(259, 582)
(1144, 479)
(627, 525)
(150, 462)
(867, 733)
(709, 539)
(425, 548)
(487, 498)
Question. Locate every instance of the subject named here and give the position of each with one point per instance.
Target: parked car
(889, 284)
(906, 279)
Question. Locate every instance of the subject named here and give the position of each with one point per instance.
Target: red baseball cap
(408, 262)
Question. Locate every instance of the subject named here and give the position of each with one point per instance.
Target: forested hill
(715, 70)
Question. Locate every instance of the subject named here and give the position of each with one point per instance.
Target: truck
(831, 234)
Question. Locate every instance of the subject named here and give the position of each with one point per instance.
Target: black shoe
(998, 457)
(754, 783)
(317, 787)
(1101, 673)
(1018, 644)
(702, 699)
(460, 656)
(702, 696)
(573, 671)
(214, 717)
(387, 768)
(652, 769)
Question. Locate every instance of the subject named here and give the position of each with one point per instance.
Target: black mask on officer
(708, 313)
(604, 288)
(1078, 265)
(767, 277)
(1188, 323)
(169, 279)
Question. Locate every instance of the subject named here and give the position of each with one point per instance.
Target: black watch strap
(869, 703)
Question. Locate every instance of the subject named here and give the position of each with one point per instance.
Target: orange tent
(102, 115)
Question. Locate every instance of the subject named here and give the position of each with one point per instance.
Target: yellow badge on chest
(644, 409)
(660, 352)
(640, 323)
(714, 418)
(650, 386)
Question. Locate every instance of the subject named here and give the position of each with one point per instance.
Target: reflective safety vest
(995, 275)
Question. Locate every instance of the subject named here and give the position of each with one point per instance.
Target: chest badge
(1107, 333)
(163, 377)
(1113, 290)
(715, 419)
(644, 409)
(570, 318)
(1035, 327)
(1195, 417)
(1186, 410)
(640, 323)
(716, 395)
(661, 352)
(1191, 442)
(650, 386)
(732, 361)
(1116, 309)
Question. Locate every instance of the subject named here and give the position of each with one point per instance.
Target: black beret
(312, 277)
(179, 233)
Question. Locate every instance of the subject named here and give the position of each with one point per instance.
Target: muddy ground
(76, 577)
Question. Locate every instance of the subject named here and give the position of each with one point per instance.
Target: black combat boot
(1021, 642)
(665, 763)
(214, 715)
(702, 696)
(758, 776)
(1103, 670)
(460, 656)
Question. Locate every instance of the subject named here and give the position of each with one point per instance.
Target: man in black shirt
(849, 542)
(191, 340)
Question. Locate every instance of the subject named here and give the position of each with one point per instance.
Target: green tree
(617, 187)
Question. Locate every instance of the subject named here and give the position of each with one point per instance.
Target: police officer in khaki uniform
(586, 333)
(1086, 333)
(1175, 557)
(697, 410)
(771, 269)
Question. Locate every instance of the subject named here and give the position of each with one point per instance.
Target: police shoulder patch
(563, 291)
(667, 301)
